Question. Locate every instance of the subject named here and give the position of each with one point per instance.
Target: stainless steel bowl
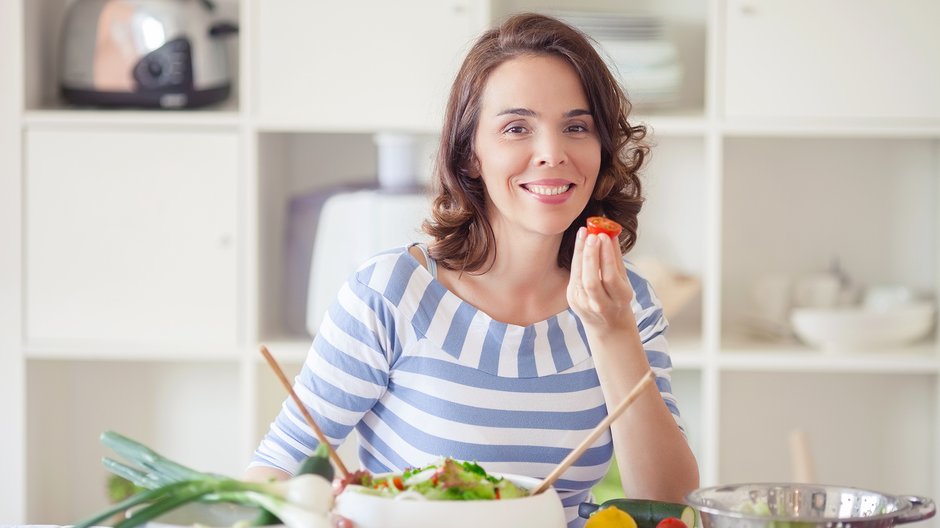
(779, 505)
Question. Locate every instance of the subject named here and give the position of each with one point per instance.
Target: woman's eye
(578, 129)
(517, 129)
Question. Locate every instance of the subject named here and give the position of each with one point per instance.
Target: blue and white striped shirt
(420, 374)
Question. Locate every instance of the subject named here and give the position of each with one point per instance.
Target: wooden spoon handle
(334, 456)
(574, 455)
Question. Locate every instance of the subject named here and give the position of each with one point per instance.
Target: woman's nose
(549, 151)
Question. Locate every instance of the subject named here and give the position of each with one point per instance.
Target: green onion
(301, 502)
(134, 500)
(192, 491)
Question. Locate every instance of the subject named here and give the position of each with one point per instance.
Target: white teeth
(547, 190)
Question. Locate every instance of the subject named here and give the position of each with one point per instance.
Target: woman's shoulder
(388, 258)
(388, 270)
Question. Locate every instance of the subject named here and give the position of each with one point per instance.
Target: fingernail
(592, 240)
(581, 231)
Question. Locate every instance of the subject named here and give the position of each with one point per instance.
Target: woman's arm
(653, 456)
(344, 374)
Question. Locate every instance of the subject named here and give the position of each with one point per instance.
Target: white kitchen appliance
(353, 227)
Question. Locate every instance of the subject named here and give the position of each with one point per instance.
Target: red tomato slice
(599, 224)
(671, 522)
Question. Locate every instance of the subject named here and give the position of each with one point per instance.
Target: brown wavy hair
(462, 238)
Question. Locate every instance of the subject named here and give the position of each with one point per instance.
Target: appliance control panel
(168, 66)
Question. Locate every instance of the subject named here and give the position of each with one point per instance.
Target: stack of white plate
(637, 50)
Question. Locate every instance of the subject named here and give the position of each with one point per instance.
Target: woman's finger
(342, 522)
(613, 273)
(590, 272)
(616, 281)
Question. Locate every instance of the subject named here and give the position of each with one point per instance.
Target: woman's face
(537, 149)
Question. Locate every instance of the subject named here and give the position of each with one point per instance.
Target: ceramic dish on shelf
(860, 328)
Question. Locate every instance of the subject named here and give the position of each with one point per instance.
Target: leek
(301, 502)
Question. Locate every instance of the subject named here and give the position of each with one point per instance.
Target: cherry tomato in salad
(671, 522)
(597, 225)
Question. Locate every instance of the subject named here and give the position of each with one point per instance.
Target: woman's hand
(598, 289)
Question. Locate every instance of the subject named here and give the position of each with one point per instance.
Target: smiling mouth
(547, 190)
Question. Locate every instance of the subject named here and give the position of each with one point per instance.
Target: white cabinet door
(832, 58)
(130, 236)
(366, 65)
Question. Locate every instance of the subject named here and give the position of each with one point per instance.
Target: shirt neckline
(452, 297)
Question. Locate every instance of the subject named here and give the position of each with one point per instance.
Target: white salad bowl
(373, 511)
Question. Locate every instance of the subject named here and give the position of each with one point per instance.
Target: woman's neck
(525, 265)
(521, 284)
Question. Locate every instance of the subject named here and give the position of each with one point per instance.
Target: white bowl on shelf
(859, 328)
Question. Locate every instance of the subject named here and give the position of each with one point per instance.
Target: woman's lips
(550, 192)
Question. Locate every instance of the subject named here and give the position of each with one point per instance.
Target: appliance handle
(921, 508)
(222, 29)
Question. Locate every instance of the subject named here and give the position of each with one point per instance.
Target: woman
(512, 333)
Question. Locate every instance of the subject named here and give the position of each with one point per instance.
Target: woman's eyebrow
(518, 111)
(530, 113)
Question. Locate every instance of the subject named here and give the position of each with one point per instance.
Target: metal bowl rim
(902, 503)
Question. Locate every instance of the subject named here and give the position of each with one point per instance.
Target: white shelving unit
(769, 164)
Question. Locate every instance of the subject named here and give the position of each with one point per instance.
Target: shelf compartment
(792, 207)
(871, 430)
(44, 21)
(828, 73)
(306, 168)
(339, 91)
(183, 411)
(139, 246)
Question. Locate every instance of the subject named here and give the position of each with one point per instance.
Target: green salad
(448, 480)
